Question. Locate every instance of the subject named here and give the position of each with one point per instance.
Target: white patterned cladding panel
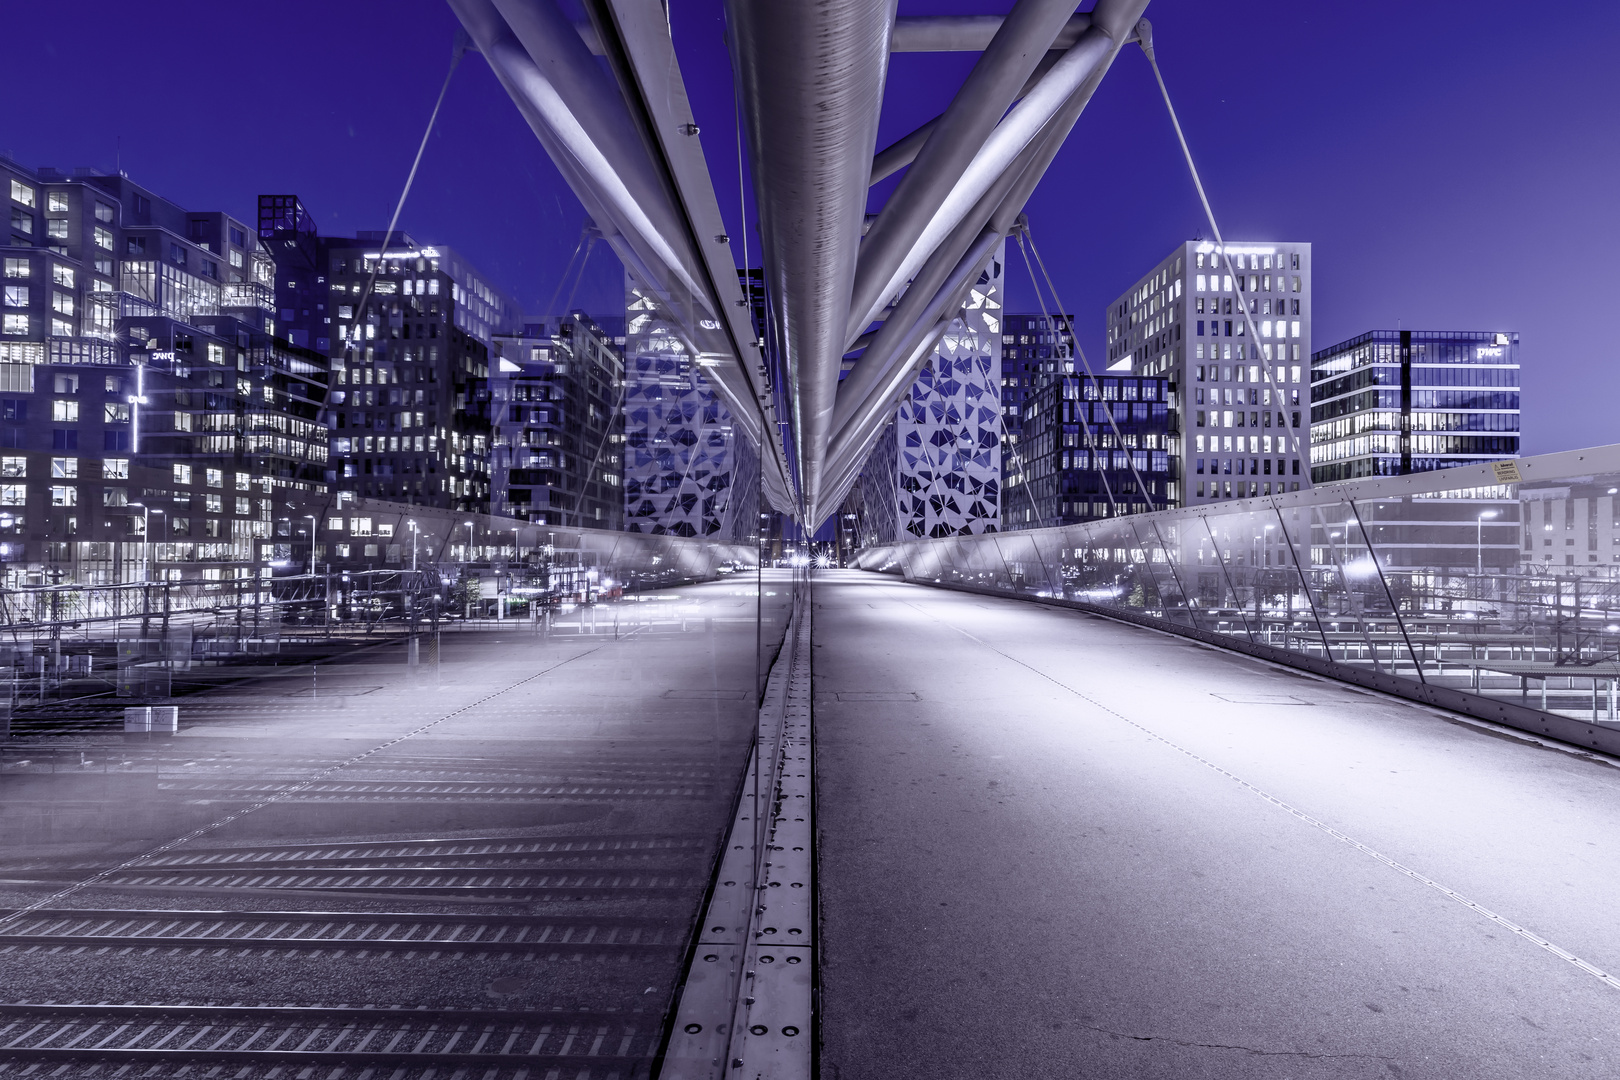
(681, 460)
(948, 429)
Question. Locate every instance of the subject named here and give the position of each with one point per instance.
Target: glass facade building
(1393, 402)
(1093, 448)
(1033, 350)
(557, 410)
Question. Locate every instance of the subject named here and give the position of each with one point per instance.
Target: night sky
(1453, 163)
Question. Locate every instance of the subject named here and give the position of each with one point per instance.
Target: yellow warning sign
(1507, 472)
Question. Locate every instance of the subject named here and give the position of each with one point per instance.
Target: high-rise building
(1244, 397)
(409, 332)
(142, 388)
(557, 415)
(1393, 402)
(1092, 448)
(1033, 349)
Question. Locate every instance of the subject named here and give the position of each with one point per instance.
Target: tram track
(265, 1036)
(370, 929)
(337, 933)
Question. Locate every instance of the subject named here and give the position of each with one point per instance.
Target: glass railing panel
(1045, 556)
(1023, 570)
(1498, 580)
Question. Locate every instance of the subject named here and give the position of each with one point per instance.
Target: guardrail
(1492, 590)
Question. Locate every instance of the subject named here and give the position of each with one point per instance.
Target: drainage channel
(746, 1007)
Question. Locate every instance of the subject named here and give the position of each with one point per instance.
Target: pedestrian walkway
(1052, 845)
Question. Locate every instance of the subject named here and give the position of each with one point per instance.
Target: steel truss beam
(810, 82)
(630, 153)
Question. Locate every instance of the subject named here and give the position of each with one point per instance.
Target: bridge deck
(1054, 845)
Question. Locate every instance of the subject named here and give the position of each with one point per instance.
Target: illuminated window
(64, 495)
(215, 478)
(115, 469)
(13, 494)
(17, 268)
(16, 295)
(65, 468)
(65, 411)
(182, 473)
(22, 193)
(103, 212)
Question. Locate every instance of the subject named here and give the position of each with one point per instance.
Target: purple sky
(1453, 163)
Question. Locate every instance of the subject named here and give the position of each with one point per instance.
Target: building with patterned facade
(151, 422)
(1393, 402)
(685, 471)
(936, 469)
(948, 428)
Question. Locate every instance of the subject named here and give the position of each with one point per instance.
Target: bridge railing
(1491, 589)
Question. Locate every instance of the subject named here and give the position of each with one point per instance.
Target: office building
(1393, 402)
(1244, 397)
(1093, 448)
(150, 422)
(409, 332)
(1033, 348)
(557, 424)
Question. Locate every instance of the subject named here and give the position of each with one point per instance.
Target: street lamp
(311, 519)
(146, 534)
(1479, 541)
(414, 532)
(469, 540)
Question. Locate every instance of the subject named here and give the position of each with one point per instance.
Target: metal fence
(129, 640)
(1490, 589)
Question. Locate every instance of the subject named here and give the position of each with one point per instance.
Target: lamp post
(146, 538)
(311, 519)
(414, 533)
(146, 534)
(1479, 541)
(469, 541)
